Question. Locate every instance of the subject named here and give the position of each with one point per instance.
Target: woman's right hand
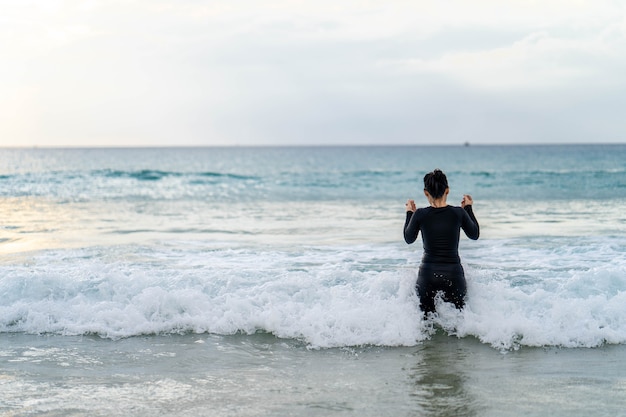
(410, 206)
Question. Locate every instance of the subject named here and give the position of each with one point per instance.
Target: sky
(317, 72)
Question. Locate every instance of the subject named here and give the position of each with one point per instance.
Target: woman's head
(436, 183)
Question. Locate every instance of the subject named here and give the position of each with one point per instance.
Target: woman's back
(440, 229)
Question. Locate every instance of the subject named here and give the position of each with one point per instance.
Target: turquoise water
(300, 250)
(317, 173)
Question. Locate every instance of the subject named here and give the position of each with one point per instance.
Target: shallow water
(261, 375)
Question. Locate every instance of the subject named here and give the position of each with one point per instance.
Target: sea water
(275, 281)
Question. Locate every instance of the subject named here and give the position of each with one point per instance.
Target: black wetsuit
(441, 269)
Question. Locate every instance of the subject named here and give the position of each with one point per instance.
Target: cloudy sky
(254, 72)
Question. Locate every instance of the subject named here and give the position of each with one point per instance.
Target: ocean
(275, 281)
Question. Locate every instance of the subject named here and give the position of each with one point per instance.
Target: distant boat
(466, 144)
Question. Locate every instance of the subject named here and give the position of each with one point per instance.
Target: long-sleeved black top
(441, 231)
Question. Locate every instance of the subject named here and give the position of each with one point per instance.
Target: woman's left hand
(467, 200)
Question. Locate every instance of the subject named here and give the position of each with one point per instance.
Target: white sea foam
(521, 293)
(307, 243)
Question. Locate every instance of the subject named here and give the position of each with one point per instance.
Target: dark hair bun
(436, 183)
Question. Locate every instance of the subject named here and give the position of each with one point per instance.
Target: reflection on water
(36, 223)
(30, 224)
(440, 379)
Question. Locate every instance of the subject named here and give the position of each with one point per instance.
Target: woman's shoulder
(458, 210)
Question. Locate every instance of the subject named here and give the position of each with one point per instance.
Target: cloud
(290, 71)
(538, 61)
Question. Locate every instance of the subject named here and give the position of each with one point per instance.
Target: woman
(440, 224)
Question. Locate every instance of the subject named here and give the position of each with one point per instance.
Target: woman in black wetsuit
(440, 224)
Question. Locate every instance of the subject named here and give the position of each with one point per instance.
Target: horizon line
(347, 145)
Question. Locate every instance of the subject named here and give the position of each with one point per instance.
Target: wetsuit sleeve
(411, 228)
(470, 224)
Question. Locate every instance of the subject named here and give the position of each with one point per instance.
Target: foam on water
(520, 293)
(306, 243)
(225, 291)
